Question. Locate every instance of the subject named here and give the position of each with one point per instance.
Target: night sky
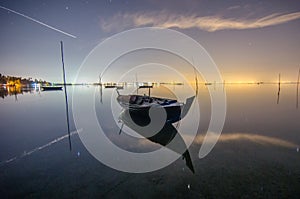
(248, 40)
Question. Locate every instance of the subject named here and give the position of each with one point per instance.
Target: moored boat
(140, 105)
(51, 88)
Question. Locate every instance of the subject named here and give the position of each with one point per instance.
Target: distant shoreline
(98, 84)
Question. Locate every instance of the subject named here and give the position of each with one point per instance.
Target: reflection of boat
(168, 135)
(51, 88)
(141, 105)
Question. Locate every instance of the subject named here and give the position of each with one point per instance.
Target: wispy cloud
(208, 23)
(234, 7)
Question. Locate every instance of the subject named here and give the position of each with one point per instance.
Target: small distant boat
(140, 105)
(51, 88)
(146, 86)
(114, 85)
(109, 86)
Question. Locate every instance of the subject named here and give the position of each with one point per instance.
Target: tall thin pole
(278, 94)
(100, 87)
(65, 89)
(137, 84)
(100, 80)
(297, 97)
(196, 81)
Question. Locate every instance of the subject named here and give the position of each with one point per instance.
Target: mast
(66, 96)
(196, 78)
(100, 81)
(278, 94)
(137, 84)
(297, 93)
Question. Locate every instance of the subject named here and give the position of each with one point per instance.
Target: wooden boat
(51, 88)
(140, 105)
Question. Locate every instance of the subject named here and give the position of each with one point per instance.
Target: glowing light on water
(261, 139)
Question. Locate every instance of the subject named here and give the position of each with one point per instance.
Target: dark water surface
(257, 154)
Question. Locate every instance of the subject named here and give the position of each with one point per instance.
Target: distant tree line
(11, 80)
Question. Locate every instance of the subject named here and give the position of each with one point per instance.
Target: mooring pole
(66, 95)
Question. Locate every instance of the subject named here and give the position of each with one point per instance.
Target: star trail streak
(39, 22)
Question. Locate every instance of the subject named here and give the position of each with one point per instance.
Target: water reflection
(7, 91)
(264, 140)
(278, 93)
(265, 156)
(14, 91)
(168, 136)
(101, 94)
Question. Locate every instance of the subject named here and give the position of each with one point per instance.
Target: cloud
(234, 7)
(208, 23)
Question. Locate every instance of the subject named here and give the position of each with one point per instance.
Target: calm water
(257, 154)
